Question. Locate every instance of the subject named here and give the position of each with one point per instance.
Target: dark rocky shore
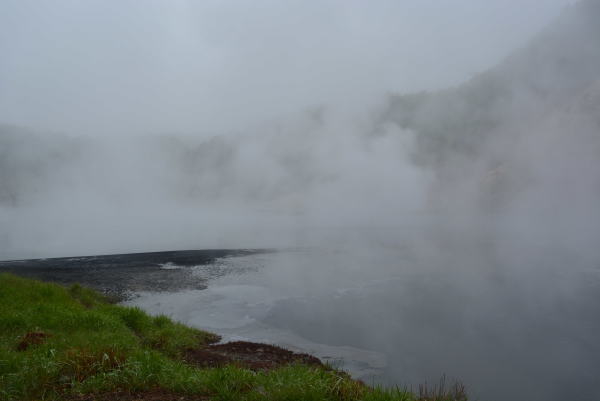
(121, 275)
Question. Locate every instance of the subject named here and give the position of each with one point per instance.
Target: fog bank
(427, 169)
(516, 146)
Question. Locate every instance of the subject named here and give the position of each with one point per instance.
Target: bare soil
(258, 357)
(247, 355)
(32, 338)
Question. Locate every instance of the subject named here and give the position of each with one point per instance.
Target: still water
(510, 317)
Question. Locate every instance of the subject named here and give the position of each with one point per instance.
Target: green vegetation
(58, 343)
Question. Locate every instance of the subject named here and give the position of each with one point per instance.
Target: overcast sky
(115, 67)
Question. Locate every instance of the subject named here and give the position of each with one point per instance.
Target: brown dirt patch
(32, 338)
(247, 355)
(152, 395)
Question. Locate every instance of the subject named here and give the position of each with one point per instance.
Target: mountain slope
(543, 96)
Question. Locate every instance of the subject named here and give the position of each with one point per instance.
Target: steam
(470, 213)
(317, 170)
(495, 144)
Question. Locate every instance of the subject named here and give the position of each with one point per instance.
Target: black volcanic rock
(120, 275)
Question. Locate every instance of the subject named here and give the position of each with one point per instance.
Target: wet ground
(122, 275)
(246, 354)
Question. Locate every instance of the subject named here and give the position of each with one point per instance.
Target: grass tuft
(443, 391)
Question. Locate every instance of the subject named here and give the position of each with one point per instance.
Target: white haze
(253, 115)
(116, 68)
(81, 196)
(463, 219)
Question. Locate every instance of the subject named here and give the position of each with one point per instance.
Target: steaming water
(513, 318)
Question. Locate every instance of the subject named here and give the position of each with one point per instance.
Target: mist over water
(507, 326)
(429, 219)
(173, 192)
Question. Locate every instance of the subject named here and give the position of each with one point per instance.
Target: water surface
(511, 319)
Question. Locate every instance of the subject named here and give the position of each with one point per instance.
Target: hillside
(515, 123)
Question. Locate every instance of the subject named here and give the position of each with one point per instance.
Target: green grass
(93, 346)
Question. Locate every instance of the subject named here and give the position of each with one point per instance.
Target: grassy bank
(60, 343)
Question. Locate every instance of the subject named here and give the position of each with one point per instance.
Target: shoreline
(69, 343)
(121, 275)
